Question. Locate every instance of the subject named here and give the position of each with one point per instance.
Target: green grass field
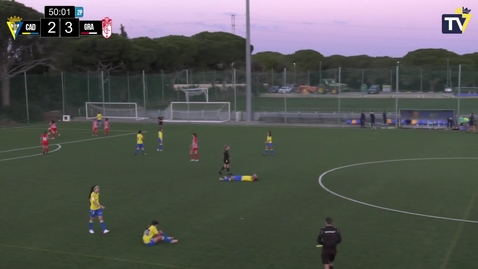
(467, 105)
(272, 223)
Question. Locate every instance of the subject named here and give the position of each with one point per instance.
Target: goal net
(198, 112)
(112, 110)
(196, 92)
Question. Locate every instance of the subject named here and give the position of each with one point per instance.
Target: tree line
(208, 51)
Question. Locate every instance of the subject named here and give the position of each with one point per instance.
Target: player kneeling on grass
(240, 178)
(153, 236)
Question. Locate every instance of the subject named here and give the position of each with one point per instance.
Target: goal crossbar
(205, 112)
(113, 110)
(194, 92)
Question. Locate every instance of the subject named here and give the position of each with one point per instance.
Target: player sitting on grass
(240, 178)
(153, 236)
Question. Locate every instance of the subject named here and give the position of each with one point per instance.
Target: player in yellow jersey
(160, 139)
(139, 143)
(152, 235)
(240, 178)
(99, 119)
(269, 145)
(96, 209)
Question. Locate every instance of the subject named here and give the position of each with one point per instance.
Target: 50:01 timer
(59, 12)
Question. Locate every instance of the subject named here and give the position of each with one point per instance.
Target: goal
(195, 92)
(112, 110)
(211, 112)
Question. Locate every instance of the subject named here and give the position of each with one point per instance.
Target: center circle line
(321, 177)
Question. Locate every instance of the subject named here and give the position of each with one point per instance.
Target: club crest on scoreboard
(107, 25)
(14, 25)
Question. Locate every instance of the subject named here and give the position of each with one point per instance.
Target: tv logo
(455, 23)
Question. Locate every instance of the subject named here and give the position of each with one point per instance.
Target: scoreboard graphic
(60, 21)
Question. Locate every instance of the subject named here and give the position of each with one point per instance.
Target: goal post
(195, 92)
(208, 112)
(112, 110)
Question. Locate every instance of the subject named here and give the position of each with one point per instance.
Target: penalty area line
(82, 130)
(70, 142)
(30, 156)
(95, 257)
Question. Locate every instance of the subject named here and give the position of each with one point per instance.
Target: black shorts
(226, 161)
(328, 255)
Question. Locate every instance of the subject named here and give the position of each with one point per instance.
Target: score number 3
(69, 27)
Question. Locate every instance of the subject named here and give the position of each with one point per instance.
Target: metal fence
(340, 90)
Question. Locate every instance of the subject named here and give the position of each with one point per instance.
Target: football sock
(91, 225)
(227, 169)
(272, 151)
(197, 156)
(103, 225)
(166, 239)
(136, 151)
(265, 152)
(160, 147)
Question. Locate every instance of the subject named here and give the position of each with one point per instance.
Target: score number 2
(52, 25)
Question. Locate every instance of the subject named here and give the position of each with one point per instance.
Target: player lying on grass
(153, 236)
(240, 178)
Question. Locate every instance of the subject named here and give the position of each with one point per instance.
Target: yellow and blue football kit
(269, 145)
(150, 233)
(95, 210)
(160, 141)
(139, 144)
(99, 118)
(239, 178)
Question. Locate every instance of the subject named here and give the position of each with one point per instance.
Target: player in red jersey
(194, 149)
(53, 130)
(107, 127)
(95, 128)
(44, 142)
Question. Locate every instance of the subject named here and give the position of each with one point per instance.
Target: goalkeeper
(240, 178)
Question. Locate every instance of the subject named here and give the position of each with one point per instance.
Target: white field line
(78, 129)
(30, 156)
(70, 142)
(321, 177)
(20, 127)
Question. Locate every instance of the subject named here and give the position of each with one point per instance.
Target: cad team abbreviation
(60, 21)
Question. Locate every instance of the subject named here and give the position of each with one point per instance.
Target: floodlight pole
(459, 89)
(26, 96)
(248, 63)
(338, 94)
(103, 90)
(235, 90)
(396, 96)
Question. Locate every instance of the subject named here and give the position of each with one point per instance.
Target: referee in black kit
(329, 237)
(226, 160)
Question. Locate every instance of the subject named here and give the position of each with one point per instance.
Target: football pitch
(419, 211)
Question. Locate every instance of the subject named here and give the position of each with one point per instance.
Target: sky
(345, 27)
